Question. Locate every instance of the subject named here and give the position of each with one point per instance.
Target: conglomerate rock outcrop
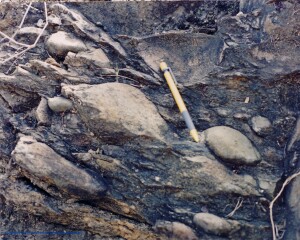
(91, 139)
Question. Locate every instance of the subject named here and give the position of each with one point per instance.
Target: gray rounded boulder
(231, 145)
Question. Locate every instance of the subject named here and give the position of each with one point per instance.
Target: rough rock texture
(42, 165)
(213, 176)
(118, 110)
(231, 145)
(233, 60)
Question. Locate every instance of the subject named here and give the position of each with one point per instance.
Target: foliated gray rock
(43, 166)
(231, 145)
(59, 104)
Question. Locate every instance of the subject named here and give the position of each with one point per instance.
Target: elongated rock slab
(46, 168)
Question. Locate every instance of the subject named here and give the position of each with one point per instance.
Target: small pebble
(60, 104)
(157, 179)
(42, 113)
(261, 125)
(241, 116)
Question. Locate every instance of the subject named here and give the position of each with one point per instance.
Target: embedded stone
(46, 168)
(211, 223)
(116, 110)
(94, 57)
(59, 104)
(175, 230)
(261, 125)
(61, 43)
(42, 112)
(231, 145)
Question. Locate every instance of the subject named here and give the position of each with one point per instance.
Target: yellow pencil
(178, 99)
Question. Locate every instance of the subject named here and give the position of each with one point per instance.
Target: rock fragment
(213, 177)
(53, 72)
(60, 43)
(59, 104)
(231, 145)
(86, 28)
(175, 230)
(42, 112)
(117, 110)
(211, 223)
(94, 57)
(261, 125)
(46, 168)
(241, 116)
(174, 47)
(54, 20)
(32, 32)
(268, 186)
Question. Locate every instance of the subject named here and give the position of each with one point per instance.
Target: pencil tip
(195, 135)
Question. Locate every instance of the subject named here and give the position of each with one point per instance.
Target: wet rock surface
(91, 139)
